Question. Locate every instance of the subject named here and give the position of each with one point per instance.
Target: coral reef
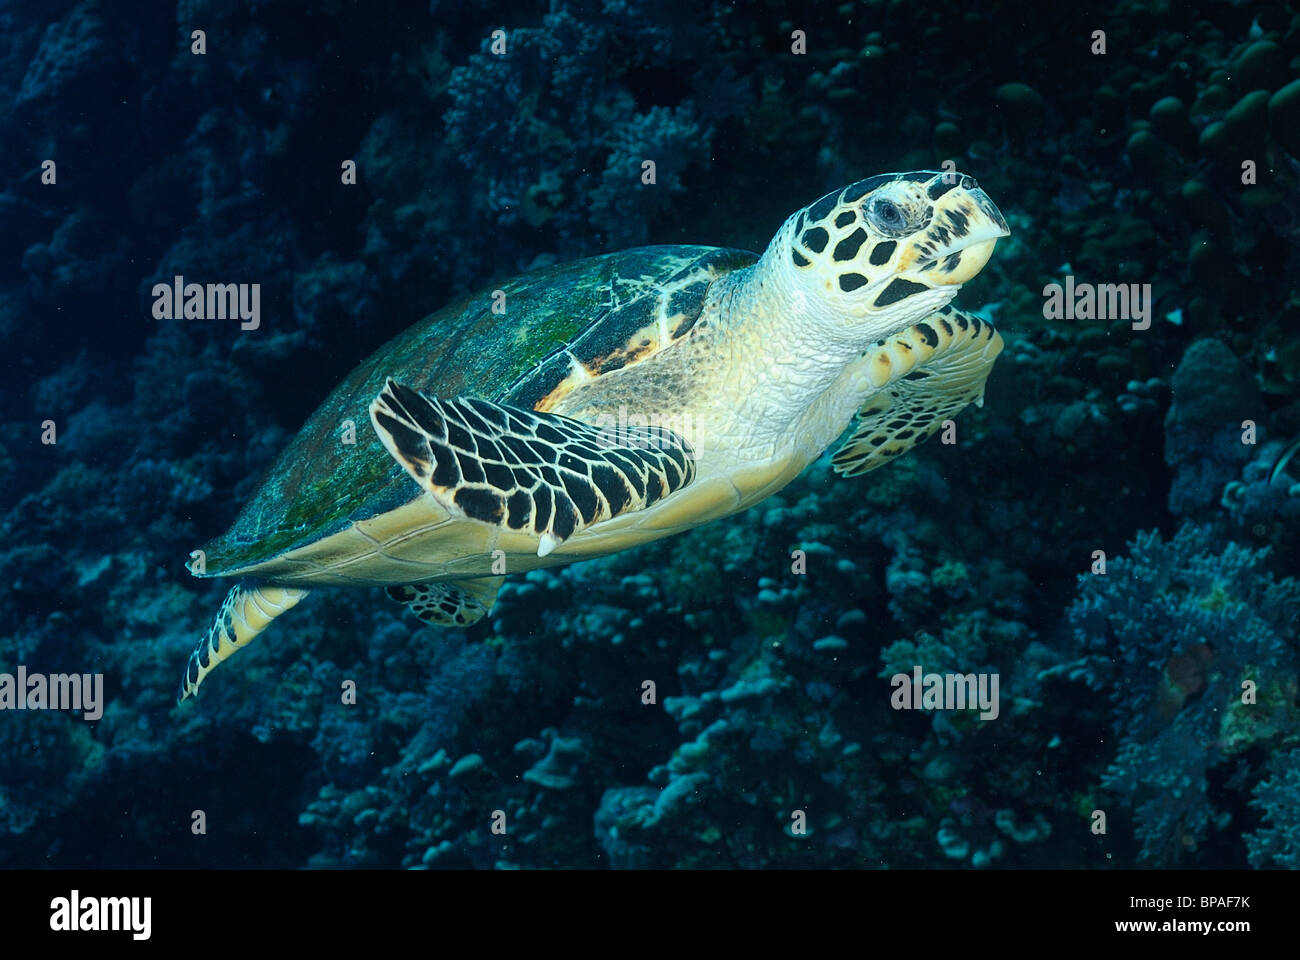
(766, 735)
(1194, 645)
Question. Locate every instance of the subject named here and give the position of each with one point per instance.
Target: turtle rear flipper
(527, 471)
(450, 603)
(248, 610)
(921, 377)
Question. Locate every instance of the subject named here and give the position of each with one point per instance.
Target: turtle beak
(968, 262)
(963, 231)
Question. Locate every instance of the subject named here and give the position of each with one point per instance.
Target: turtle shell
(604, 313)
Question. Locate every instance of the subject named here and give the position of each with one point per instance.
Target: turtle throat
(785, 362)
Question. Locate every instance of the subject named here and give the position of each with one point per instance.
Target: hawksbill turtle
(589, 407)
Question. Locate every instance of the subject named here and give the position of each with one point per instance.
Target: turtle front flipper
(918, 378)
(450, 603)
(248, 610)
(528, 471)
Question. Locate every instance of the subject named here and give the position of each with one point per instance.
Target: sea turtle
(593, 406)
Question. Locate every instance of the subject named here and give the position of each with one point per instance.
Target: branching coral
(1194, 645)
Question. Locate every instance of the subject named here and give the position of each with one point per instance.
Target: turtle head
(880, 254)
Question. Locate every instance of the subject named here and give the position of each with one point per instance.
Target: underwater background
(1122, 691)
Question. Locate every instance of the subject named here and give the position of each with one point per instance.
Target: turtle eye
(886, 216)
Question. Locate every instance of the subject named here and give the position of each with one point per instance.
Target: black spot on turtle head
(940, 236)
(857, 191)
(823, 207)
(927, 333)
(959, 223)
(897, 290)
(881, 253)
(939, 187)
(816, 239)
(845, 218)
(852, 281)
(799, 259)
(952, 262)
(848, 248)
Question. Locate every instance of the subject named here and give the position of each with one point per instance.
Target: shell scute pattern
(319, 485)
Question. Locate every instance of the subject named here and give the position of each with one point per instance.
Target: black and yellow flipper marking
(449, 603)
(532, 472)
(919, 378)
(247, 611)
